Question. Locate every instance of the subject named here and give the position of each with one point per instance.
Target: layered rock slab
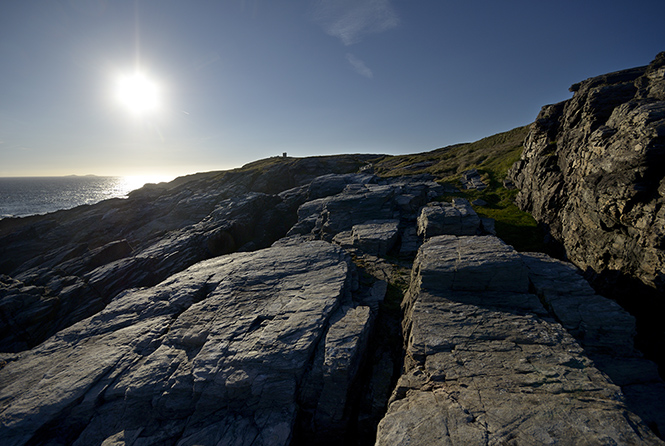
(486, 364)
(604, 329)
(60, 268)
(361, 202)
(212, 355)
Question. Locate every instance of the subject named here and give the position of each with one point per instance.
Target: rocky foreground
(284, 344)
(306, 301)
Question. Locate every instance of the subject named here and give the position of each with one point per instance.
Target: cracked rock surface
(483, 356)
(157, 362)
(262, 307)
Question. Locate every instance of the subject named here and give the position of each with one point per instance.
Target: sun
(138, 94)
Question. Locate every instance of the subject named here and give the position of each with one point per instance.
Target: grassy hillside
(492, 157)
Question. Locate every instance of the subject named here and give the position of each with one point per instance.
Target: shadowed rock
(456, 218)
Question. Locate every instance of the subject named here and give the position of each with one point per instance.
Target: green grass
(492, 155)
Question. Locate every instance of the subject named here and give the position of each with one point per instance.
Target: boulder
(377, 237)
(456, 218)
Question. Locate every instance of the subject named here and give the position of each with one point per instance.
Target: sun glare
(132, 182)
(138, 94)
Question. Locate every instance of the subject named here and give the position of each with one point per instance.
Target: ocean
(23, 196)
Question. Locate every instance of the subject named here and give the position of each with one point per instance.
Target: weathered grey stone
(328, 216)
(599, 323)
(591, 173)
(604, 329)
(345, 345)
(471, 179)
(376, 237)
(440, 218)
(358, 203)
(212, 354)
(76, 282)
(481, 263)
(487, 365)
(159, 230)
(333, 184)
(410, 242)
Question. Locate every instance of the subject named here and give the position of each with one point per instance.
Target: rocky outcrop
(124, 299)
(604, 330)
(63, 267)
(483, 355)
(592, 172)
(266, 306)
(471, 179)
(213, 355)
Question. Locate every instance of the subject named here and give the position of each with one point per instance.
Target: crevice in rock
(65, 428)
(367, 398)
(384, 365)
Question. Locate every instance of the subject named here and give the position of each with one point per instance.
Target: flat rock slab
(486, 364)
(604, 329)
(213, 355)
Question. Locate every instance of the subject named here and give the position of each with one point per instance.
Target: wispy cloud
(207, 59)
(359, 66)
(351, 20)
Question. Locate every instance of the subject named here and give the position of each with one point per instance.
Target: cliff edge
(593, 173)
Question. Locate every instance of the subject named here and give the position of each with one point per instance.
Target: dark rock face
(593, 172)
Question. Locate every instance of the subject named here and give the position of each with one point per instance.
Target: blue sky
(241, 80)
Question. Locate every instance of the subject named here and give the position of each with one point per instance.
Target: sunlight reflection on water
(22, 196)
(129, 183)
